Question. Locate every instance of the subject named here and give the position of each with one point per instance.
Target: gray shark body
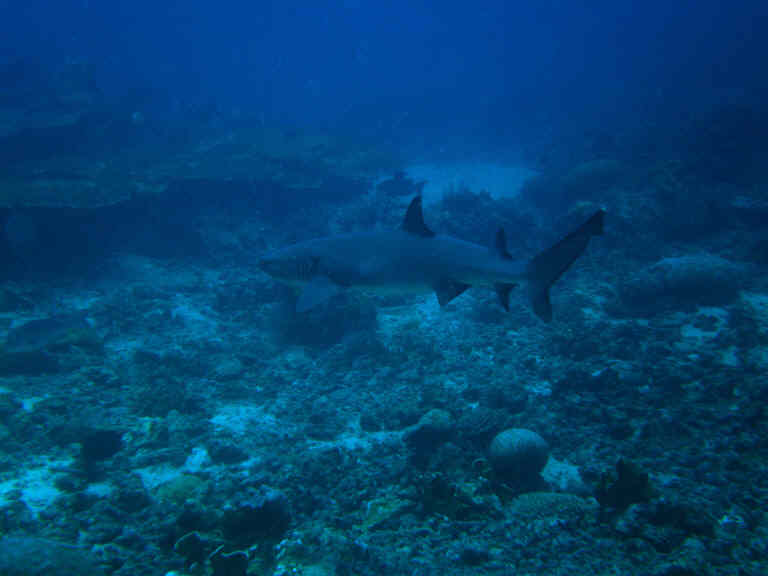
(414, 259)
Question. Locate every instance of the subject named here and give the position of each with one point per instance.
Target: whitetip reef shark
(415, 259)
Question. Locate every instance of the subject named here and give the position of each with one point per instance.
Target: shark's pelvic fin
(414, 220)
(500, 249)
(549, 265)
(503, 291)
(320, 289)
(447, 290)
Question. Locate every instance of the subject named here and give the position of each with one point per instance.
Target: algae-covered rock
(690, 280)
(182, 488)
(192, 547)
(562, 476)
(28, 363)
(99, 444)
(12, 301)
(229, 563)
(628, 485)
(433, 428)
(31, 347)
(53, 333)
(587, 181)
(383, 512)
(29, 556)
(266, 516)
(46, 171)
(463, 501)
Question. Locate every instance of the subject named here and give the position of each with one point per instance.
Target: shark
(413, 258)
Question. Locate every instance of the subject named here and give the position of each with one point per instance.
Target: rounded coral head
(518, 454)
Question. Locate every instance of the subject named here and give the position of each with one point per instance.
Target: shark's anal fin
(550, 264)
(320, 289)
(503, 291)
(414, 220)
(447, 290)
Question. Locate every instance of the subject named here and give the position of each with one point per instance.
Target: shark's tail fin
(550, 264)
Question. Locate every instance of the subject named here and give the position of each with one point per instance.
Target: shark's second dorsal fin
(414, 220)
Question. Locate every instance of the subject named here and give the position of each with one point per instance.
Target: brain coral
(517, 454)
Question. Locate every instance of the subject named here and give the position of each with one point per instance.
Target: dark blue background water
(492, 72)
(154, 383)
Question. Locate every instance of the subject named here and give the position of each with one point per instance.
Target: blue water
(165, 409)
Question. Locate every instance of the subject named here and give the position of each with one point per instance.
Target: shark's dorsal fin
(500, 246)
(414, 220)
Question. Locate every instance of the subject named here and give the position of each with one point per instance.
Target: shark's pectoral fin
(320, 289)
(503, 291)
(447, 290)
(370, 268)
